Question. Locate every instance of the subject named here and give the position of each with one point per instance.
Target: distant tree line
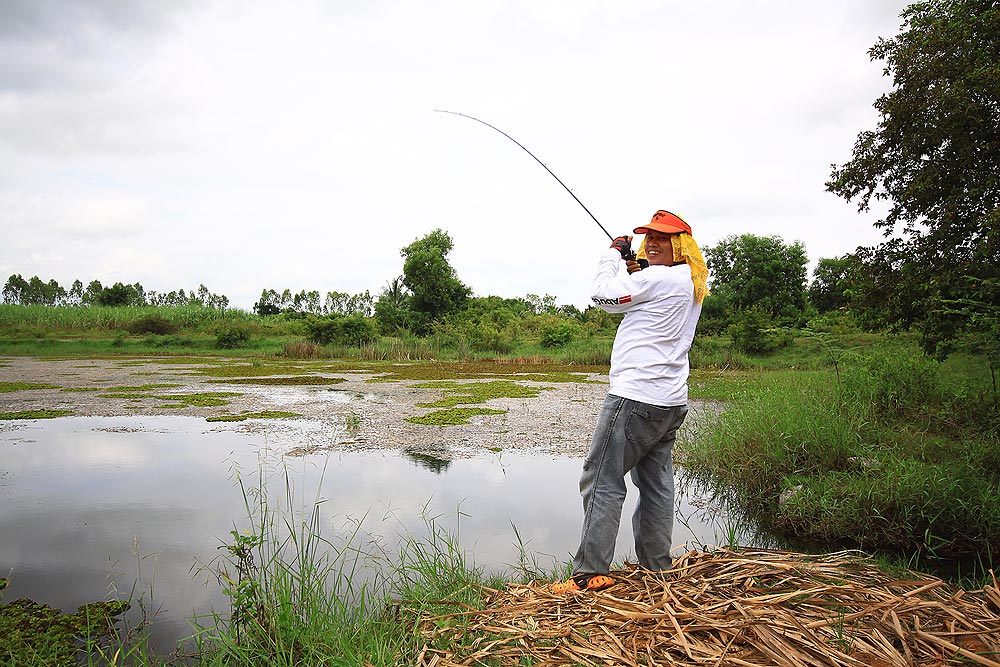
(35, 292)
(334, 303)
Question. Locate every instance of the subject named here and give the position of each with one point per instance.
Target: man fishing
(647, 398)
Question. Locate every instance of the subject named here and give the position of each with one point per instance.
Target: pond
(140, 505)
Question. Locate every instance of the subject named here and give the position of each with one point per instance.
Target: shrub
(354, 330)
(754, 332)
(231, 336)
(153, 324)
(487, 337)
(556, 334)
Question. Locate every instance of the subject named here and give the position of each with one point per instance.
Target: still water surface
(91, 505)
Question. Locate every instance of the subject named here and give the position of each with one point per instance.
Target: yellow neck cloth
(686, 250)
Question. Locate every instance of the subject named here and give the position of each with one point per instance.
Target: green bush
(754, 332)
(489, 337)
(557, 334)
(153, 324)
(354, 330)
(231, 336)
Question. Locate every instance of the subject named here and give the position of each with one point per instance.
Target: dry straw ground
(730, 608)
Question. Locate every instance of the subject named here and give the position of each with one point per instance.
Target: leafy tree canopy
(761, 272)
(431, 280)
(935, 159)
(830, 285)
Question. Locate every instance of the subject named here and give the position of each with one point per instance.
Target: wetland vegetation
(827, 432)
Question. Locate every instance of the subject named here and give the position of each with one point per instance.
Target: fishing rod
(455, 113)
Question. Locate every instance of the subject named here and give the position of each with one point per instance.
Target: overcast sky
(246, 145)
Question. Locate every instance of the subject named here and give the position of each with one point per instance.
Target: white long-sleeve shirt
(649, 360)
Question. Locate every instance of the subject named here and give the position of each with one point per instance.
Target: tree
(32, 292)
(269, 303)
(120, 294)
(75, 295)
(761, 272)
(341, 303)
(14, 288)
(542, 305)
(392, 308)
(935, 159)
(830, 286)
(433, 283)
(92, 295)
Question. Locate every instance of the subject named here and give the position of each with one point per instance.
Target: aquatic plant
(37, 634)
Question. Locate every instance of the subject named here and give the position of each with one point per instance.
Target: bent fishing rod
(455, 113)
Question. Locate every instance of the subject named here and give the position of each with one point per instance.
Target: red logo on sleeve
(612, 302)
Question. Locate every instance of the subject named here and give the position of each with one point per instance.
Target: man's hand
(623, 244)
(633, 265)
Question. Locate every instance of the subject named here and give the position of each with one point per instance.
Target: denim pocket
(645, 425)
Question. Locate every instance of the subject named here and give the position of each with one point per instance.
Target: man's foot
(594, 582)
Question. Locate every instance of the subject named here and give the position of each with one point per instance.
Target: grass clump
(35, 414)
(300, 596)
(534, 369)
(139, 388)
(266, 414)
(452, 416)
(464, 393)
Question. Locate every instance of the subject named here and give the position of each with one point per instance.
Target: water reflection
(91, 505)
(433, 463)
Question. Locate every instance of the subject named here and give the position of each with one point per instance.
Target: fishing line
(455, 113)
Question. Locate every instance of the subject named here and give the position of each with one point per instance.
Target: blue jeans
(631, 437)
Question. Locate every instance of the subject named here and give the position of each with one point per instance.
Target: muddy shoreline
(355, 414)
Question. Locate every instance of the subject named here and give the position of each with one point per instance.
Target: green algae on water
(37, 634)
(266, 414)
(287, 381)
(478, 392)
(35, 414)
(452, 416)
(7, 387)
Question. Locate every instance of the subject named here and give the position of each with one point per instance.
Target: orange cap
(666, 222)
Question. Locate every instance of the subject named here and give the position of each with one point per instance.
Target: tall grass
(889, 454)
(299, 596)
(41, 319)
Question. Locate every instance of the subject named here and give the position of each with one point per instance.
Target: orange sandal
(595, 582)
